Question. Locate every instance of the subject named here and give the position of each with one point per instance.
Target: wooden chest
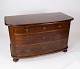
(37, 34)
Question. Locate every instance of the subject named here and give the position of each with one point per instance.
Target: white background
(60, 60)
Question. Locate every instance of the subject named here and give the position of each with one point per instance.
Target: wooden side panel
(12, 40)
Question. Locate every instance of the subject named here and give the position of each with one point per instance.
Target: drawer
(42, 37)
(40, 27)
(30, 50)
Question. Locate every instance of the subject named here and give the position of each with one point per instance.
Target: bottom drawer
(42, 48)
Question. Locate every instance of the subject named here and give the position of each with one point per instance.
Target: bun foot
(65, 50)
(15, 60)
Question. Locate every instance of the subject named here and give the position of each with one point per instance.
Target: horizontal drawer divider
(41, 32)
(41, 43)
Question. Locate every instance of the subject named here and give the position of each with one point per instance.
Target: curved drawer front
(30, 50)
(42, 37)
(41, 27)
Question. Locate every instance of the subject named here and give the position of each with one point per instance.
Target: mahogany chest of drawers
(37, 34)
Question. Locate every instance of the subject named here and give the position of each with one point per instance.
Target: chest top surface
(36, 18)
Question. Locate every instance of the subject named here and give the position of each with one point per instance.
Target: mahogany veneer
(36, 34)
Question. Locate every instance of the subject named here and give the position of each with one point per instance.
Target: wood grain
(36, 34)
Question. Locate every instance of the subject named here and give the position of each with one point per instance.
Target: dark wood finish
(41, 37)
(41, 27)
(45, 47)
(38, 34)
(15, 60)
(65, 50)
(36, 18)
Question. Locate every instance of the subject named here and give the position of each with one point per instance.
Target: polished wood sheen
(37, 34)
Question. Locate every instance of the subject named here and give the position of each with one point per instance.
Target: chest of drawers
(37, 34)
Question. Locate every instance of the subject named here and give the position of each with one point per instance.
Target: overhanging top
(36, 18)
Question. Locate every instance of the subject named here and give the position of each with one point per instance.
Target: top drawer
(41, 27)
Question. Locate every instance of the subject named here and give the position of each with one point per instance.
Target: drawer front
(39, 38)
(30, 50)
(40, 27)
